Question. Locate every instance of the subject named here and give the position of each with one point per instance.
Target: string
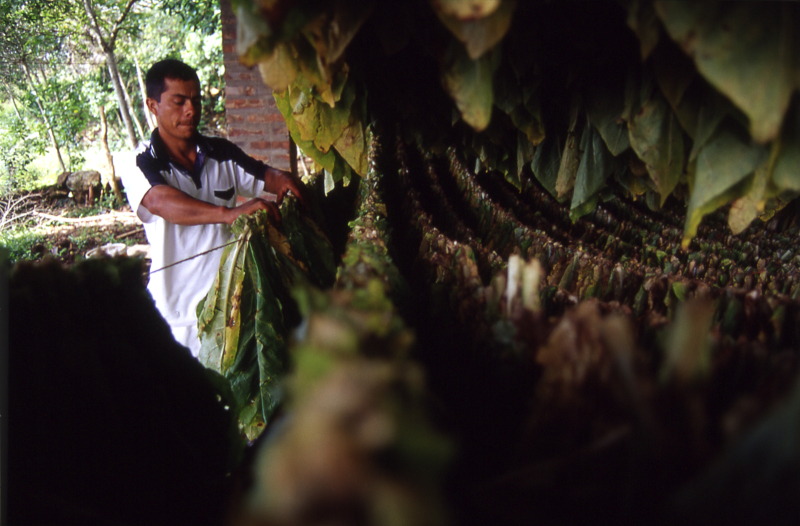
(195, 256)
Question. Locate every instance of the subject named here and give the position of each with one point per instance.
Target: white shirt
(222, 172)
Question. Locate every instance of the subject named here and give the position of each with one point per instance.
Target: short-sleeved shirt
(221, 173)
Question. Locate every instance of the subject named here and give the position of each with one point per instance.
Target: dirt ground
(73, 229)
(66, 240)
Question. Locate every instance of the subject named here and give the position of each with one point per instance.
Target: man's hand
(279, 182)
(254, 205)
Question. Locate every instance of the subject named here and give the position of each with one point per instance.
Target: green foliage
(18, 146)
(19, 241)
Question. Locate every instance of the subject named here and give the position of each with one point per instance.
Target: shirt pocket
(225, 194)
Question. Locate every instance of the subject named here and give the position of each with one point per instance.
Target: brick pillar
(254, 122)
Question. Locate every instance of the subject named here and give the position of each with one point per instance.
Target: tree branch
(118, 23)
(94, 27)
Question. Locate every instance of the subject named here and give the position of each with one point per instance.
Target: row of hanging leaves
(699, 106)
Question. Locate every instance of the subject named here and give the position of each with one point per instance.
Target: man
(184, 188)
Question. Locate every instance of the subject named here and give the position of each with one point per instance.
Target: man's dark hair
(169, 68)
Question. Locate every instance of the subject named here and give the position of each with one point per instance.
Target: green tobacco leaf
(478, 33)
(351, 145)
(530, 124)
(246, 317)
(605, 104)
(333, 121)
(571, 156)
(546, 162)
(657, 139)
(305, 113)
(280, 69)
(262, 26)
(745, 209)
(709, 117)
(643, 20)
(680, 84)
(775, 182)
(596, 166)
(568, 168)
(744, 49)
(786, 174)
(721, 176)
(326, 160)
(214, 311)
(331, 32)
(469, 83)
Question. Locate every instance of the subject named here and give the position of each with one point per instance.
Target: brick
(233, 91)
(232, 117)
(262, 117)
(250, 91)
(237, 132)
(244, 103)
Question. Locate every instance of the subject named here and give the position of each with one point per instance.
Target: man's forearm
(181, 209)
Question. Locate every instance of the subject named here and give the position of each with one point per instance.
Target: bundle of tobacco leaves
(246, 317)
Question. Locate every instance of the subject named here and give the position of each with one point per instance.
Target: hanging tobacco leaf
(328, 159)
(469, 83)
(244, 321)
(723, 165)
(280, 69)
(596, 165)
(745, 50)
(605, 104)
(480, 26)
(546, 162)
(656, 137)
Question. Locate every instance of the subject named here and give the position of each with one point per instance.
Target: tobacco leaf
(245, 319)
(546, 162)
(280, 69)
(656, 137)
(596, 165)
(744, 49)
(469, 83)
(605, 104)
(786, 173)
(643, 20)
(328, 159)
(723, 167)
(480, 30)
(332, 31)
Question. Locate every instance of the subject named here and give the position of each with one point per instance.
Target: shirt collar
(160, 153)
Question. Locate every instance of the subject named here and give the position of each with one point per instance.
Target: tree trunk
(45, 120)
(107, 150)
(111, 62)
(133, 113)
(147, 115)
(13, 102)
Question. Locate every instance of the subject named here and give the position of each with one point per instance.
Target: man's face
(178, 112)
